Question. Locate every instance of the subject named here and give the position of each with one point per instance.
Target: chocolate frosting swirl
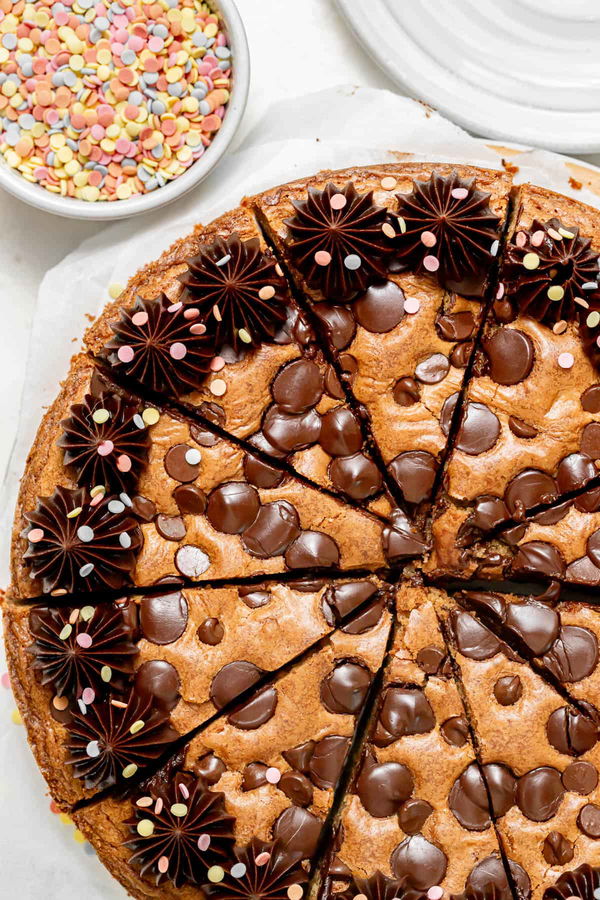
(337, 242)
(115, 738)
(264, 871)
(177, 815)
(448, 229)
(74, 649)
(582, 882)
(550, 273)
(76, 542)
(106, 441)
(240, 287)
(379, 887)
(162, 345)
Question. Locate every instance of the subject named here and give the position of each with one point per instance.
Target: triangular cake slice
(530, 433)
(120, 492)
(274, 765)
(541, 754)
(397, 262)
(400, 818)
(173, 650)
(213, 324)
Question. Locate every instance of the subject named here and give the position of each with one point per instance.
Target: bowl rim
(73, 208)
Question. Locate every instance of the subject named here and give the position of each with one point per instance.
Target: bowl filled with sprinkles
(110, 109)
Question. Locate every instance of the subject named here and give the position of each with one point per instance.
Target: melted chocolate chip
(455, 731)
(380, 308)
(539, 558)
(233, 507)
(298, 830)
(455, 326)
(468, 800)
(447, 413)
(384, 787)
(346, 687)
(574, 472)
(142, 508)
(299, 757)
(210, 632)
(590, 399)
(431, 659)
(489, 512)
(540, 793)
(342, 600)
(571, 732)
(590, 440)
(159, 680)
(414, 471)
(521, 429)
(510, 355)
(171, 528)
(473, 639)
(312, 549)
(479, 429)
(232, 680)
(254, 776)
(593, 547)
(273, 530)
(290, 433)
(210, 768)
(340, 432)
(298, 386)
(297, 787)
(508, 690)
(488, 878)
(588, 820)
(215, 414)
(355, 475)
(574, 654)
(339, 322)
(406, 392)
(177, 466)
(528, 489)
(413, 814)
(461, 354)
(258, 472)
(537, 624)
(190, 500)
(433, 369)
(580, 777)
(256, 711)
(163, 619)
(406, 711)
(557, 850)
(327, 760)
(420, 862)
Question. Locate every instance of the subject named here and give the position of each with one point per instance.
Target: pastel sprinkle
(537, 238)
(130, 770)
(238, 870)
(337, 201)
(566, 360)
(114, 290)
(86, 613)
(106, 674)
(139, 318)
(179, 810)
(273, 775)
(100, 416)
(204, 842)
(262, 859)
(217, 364)
(79, 836)
(352, 262)
(93, 749)
(555, 292)
(531, 261)
(460, 193)
(216, 874)
(435, 892)
(322, 258)
(125, 354)
(431, 263)
(244, 336)
(144, 802)
(218, 387)
(35, 535)
(65, 632)
(16, 717)
(268, 291)
(295, 892)
(388, 183)
(429, 239)
(85, 534)
(60, 703)
(192, 456)
(163, 864)
(593, 319)
(145, 827)
(151, 416)
(566, 234)
(137, 726)
(124, 463)
(412, 305)
(560, 327)
(85, 641)
(388, 230)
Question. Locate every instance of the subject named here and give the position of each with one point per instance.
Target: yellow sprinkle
(104, 56)
(75, 512)
(123, 191)
(218, 387)
(593, 319)
(79, 837)
(216, 874)
(150, 415)
(97, 489)
(555, 292)
(244, 336)
(137, 726)
(100, 416)
(565, 233)
(531, 261)
(145, 827)
(402, 225)
(130, 770)
(106, 674)
(65, 819)
(115, 289)
(16, 717)
(179, 810)
(90, 192)
(211, 30)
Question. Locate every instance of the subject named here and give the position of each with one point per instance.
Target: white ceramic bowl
(37, 196)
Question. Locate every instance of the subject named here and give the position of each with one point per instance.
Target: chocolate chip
(159, 680)
(581, 777)
(590, 440)
(571, 732)
(210, 632)
(473, 639)
(557, 850)
(455, 731)
(588, 820)
(508, 690)
(233, 507)
(366, 619)
(346, 687)
(163, 619)
(327, 761)
(210, 768)
(142, 508)
(574, 472)
(488, 878)
(177, 466)
(232, 680)
(256, 711)
(290, 433)
(574, 654)
(540, 793)
(341, 434)
(433, 369)
(455, 326)
(406, 391)
(431, 659)
(521, 429)
(413, 814)
(468, 800)
(593, 547)
(528, 489)
(299, 757)
(357, 476)
(258, 472)
(461, 354)
(406, 711)
(539, 558)
(298, 386)
(589, 501)
(342, 600)
(254, 776)
(254, 597)
(380, 308)
(312, 549)
(447, 413)
(384, 787)
(489, 512)
(537, 624)
(339, 322)
(419, 862)
(273, 530)
(190, 500)
(414, 471)
(171, 528)
(214, 414)
(297, 787)
(401, 542)
(590, 399)
(479, 429)
(510, 355)
(298, 830)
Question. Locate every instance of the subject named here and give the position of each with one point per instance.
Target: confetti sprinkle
(218, 387)
(130, 770)
(388, 183)
(295, 892)
(337, 201)
(238, 870)
(204, 842)
(16, 717)
(322, 258)
(150, 416)
(273, 775)
(412, 305)
(5, 680)
(179, 810)
(145, 827)
(103, 102)
(262, 859)
(435, 892)
(431, 263)
(531, 261)
(566, 360)
(216, 874)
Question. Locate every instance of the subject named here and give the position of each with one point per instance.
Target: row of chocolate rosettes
(354, 393)
(467, 734)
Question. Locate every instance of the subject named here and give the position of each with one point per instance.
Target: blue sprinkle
(128, 57)
(70, 78)
(161, 31)
(175, 90)
(224, 64)
(157, 152)
(143, 174)
(136, 98)
(222, 52)
(151, 77)
(57, 79)
(102, 23)
(204, 108)
(151, 184)
(26, 121)
(199, 39)
(73, 145)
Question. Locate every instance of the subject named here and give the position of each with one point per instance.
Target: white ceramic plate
(523, 70)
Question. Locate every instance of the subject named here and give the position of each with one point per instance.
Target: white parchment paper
(330, 129)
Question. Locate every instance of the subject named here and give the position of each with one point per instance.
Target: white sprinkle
(82, 706)
(238, 870)
(125, 541)
(589, 286)
(494, 248)
(93, 749)
(126, 499)
(86, 570)
(139, 422)
(224, 260)
(353, 262)
(192, 456)
(85, 534)
(115, 506)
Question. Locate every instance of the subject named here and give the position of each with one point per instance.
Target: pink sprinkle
(199, 328)
(61, 18)
(566, 360)
(105, 448)
(155, 44)
(435, 893)
(322, 258)
(412, 305)
(204, 842)
(135, 43)
(163, 864)
(35, 535)
(88, 696)
(184, 791)
(337, 201)
(139, 318)
(5, 680)
(125, 354)
(429, 239)
(217, 364)
(174, 307)
(431, 263)
(158, 806)
(97, 499)
(122, 145)
(537, 238)
(123, 463)
(500, 291)
(84, 640)
(273, 775)
(52, 117)
(97, 132)
(521, 239)
(262, 859)
(191, 313)
(177, 350)
(460, 193)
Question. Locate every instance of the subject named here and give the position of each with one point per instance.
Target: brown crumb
(576, 185)
(510, 167)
